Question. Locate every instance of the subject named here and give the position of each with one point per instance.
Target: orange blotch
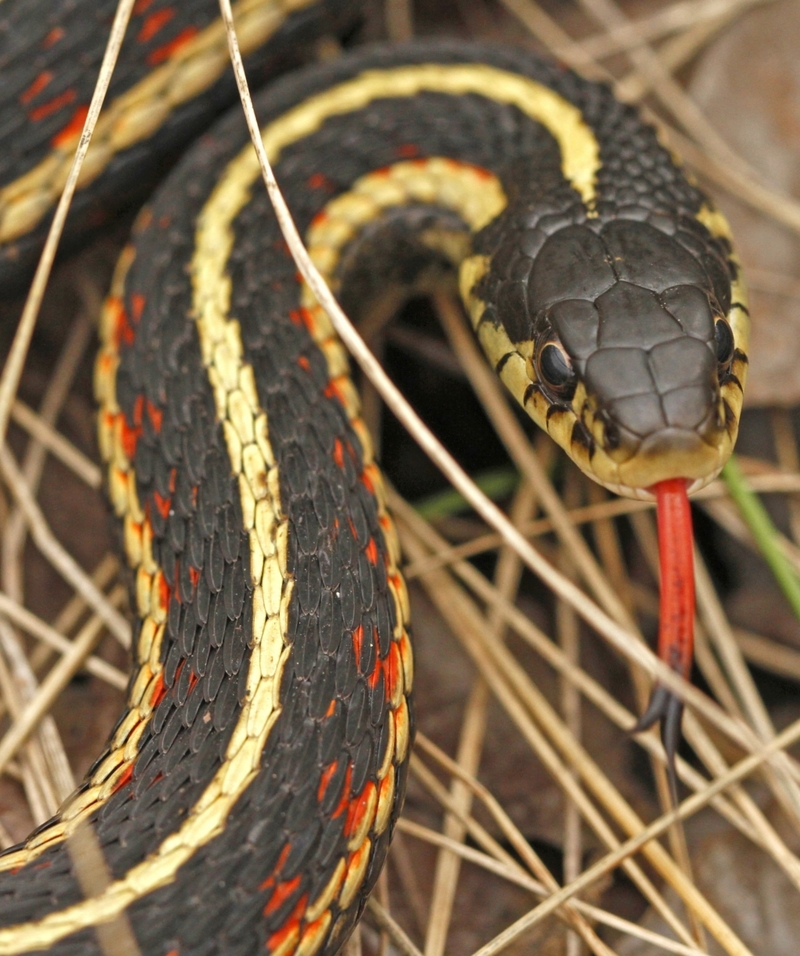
(357, 809)
(319, 181)
(156, 416)
(371, 552)
(325, 779)
(338, 453)
(53, 106)
(392, 668)
(125, 778)
(304, 364)
(162, 53)
(173, 478)
(52, 37)
(139, 7)
(295, 316)
(366, 480)
(358, 642)
(287, 931)
(36, 87)
(281, 893)
(129, 438)
(319, 219)
(482, 173)
(137, 305)
(154, 23)
(69, 134)
(159, 692)
(44, 865)
(123, 331)
(164, 592)
(194, 576)
(138, 407)
(163, 504)
(192, 681)
(407, 151)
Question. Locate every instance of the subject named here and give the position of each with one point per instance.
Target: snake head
(633, 337)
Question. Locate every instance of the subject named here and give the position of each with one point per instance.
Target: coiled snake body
(247, 797)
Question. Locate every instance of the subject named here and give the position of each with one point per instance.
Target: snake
(247, 795)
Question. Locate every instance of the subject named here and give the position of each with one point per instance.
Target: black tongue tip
(666, 708)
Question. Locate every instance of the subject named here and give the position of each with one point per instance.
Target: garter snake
(248, 793)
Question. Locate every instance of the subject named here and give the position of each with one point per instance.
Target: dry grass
(606, 824)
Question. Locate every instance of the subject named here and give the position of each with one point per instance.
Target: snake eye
(723, 338)
(554, 368)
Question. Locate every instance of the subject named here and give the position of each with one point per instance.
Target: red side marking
(319, 181)
(295, 316)
(125, 778)
(194, 495)
(372, 552)
(139, 7)
(192, 681)
(156, 416)
(52, 106)
(164, 592)
(319, 219)
(158, 693)
(154, 23)
(407, 151)
(163, 504)
(279, 938)
(483, 173)
(367, 482)
(375, 676)
(325, 779)
(392, 667)
(45, 865)
(36, 87)
(352, 528)
(281, 893)
(70, 133)
(52, 37)
(331, 709)
(304, 364)
(175, 576)
(123, 331)
(345, 800)
(129, 438)
(162, 53)
(194, 576)
(137, 305)
(173, 477)
(138, 408)
(358, 642)
(178, 670)
(338, 453)
(358, 808)
(292, 924)
(333, 390)
(676, 557)
(172, 952)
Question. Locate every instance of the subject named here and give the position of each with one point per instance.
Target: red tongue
(676, 612)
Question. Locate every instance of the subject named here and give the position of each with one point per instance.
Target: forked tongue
(676, 612)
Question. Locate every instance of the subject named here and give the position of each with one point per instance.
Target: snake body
(248, 793)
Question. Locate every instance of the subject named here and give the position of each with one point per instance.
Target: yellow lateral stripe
(140, 111)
